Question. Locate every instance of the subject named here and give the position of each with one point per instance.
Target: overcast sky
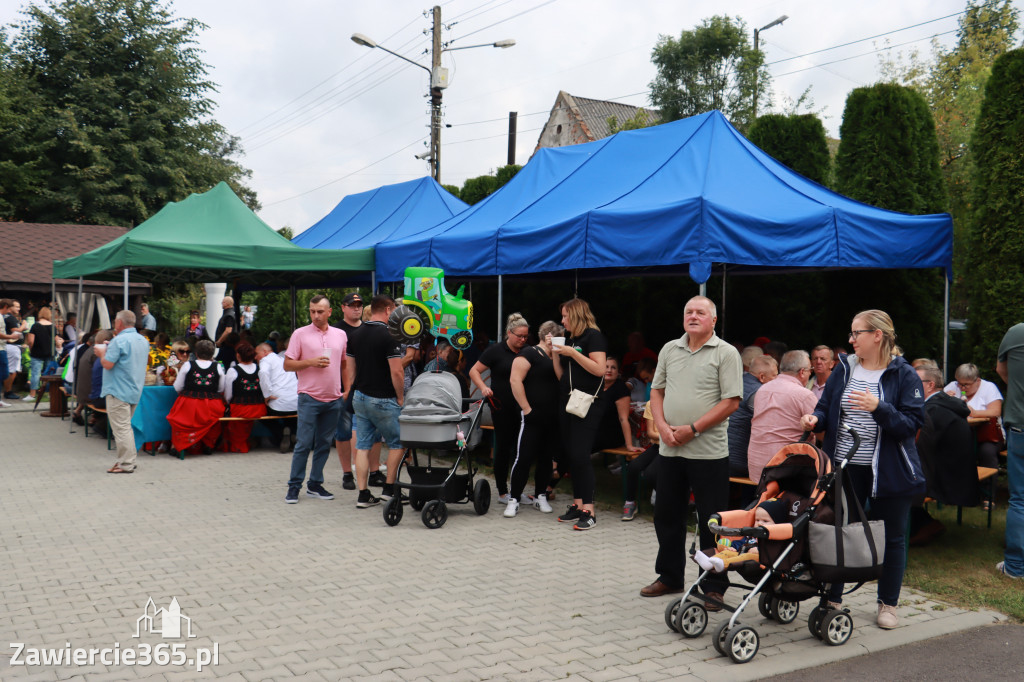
(321, 117)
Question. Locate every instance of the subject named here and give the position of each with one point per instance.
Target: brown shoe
(717, 597)
(658, 588)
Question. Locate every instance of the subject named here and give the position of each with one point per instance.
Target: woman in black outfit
(580, 366)
(535, 388)
(614, 431)
(504, 410)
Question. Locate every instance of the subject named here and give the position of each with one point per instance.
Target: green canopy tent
(213, 237)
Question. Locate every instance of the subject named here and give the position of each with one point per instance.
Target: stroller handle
(853, 448)
(759, 532)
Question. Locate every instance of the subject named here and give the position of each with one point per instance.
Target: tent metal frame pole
(126, 288)
(703, 289)
(500, 336)
(292, 290)
(945, 329)
(722, 314)
(373, 283)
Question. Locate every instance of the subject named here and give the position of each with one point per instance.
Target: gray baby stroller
(432, 420)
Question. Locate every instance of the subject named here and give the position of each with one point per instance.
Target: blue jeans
(316, 424)
(1014, 556)
(35, 371)
(376, 418)
(895, 512)
(344, 428)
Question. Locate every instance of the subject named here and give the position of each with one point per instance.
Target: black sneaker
(388, 491)
(348, 482)
(378, 479)
(11, 395)
(572, 512)
(317, 490)
(586, 521)
(293, 495)
(366, 499)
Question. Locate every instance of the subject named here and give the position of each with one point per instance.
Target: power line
(518, 14)
(862, 40)
(863, 54)
(336, 180)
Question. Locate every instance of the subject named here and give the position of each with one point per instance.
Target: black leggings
(645, 463)
(539, 441)
(578, 442)
(506, 435)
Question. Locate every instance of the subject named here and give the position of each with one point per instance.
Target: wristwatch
(696, 433)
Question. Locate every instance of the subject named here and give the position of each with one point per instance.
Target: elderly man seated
(281, 391)
(763, 369)
(822, 360)
(778, 406)
(946, 446)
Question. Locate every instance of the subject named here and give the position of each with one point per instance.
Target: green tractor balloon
(428, 307)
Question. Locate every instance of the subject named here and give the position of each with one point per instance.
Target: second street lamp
(438, 82)
(757, 37)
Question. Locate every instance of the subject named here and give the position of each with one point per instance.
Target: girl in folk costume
(244, 397)
(195, 416)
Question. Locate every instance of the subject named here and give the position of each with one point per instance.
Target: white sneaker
(3, 404)
(887, 618)
(541, 504)
(512, 508)
(503, 499)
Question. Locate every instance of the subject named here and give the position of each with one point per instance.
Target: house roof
(29, 249)
(590, 116)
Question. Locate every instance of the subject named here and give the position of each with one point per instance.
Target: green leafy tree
(953, 81)
(888, 157)
(641, 119)
(713, 66)
(798, 141)
(452, 189)
(113, 115)
(479, 188)
(996, 237)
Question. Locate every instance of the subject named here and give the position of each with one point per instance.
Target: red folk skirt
(195, 421)
(236, 434)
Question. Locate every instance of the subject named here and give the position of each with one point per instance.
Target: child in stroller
(729, 551)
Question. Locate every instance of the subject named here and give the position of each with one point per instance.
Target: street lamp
(438, 82)
(757, 35)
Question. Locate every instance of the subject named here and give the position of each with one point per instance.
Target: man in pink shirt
(316, 353)
(778, 406)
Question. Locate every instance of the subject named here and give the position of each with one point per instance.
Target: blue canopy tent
(689, 193)
(360, 221)
(696, 190)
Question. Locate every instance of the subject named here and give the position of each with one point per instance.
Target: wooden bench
(984, 474)
(86, 411)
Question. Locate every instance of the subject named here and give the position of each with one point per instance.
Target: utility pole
(435, 98)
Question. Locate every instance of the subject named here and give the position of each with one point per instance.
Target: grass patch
(959, 566)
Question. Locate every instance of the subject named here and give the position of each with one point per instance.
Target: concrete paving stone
(269, 674)
(378, 667)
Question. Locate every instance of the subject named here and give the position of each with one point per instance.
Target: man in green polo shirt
(698, 384)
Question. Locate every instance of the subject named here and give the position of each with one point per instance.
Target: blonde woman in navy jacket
(879, 395)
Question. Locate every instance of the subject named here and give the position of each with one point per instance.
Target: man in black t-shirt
(227, 322)
(351, 324)
(378, 394)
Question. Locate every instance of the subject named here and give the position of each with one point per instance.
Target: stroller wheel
(435, 514)
(721, 636)
(784, 611)
(671, 610)
(836, 627)
(692, 620)
(814, 621)
(764, 604)
(481, 497)
(743, 644)
(393, 511)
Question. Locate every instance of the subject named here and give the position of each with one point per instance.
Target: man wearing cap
(316, 353)
(352, 311)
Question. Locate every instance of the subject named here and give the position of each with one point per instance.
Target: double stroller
(433, 420)
(801, 477)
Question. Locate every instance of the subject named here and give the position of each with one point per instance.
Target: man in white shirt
(281, 391)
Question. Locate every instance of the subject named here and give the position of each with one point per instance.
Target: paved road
(323, 591)
(993, 652)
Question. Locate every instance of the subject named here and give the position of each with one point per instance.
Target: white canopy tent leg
(101, 305)
(721, 313)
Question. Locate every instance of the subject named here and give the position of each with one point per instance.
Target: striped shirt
(860, 421)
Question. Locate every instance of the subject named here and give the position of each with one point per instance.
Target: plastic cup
(557, 341)
(326, 353)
